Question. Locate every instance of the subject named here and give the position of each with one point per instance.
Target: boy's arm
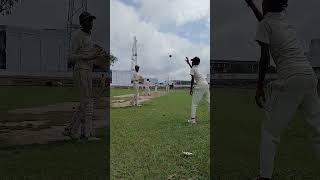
(191, 86)
(263, 64)
(187, 60)
(255, 10)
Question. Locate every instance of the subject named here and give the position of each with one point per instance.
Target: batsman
(83, 53)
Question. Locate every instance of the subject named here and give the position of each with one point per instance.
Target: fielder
(295, 88)
(167, 86)
(147, 88)
(136, 78)
(201, 89)
(83, 54)
(156, 87)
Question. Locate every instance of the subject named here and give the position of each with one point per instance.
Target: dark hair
(136, 67)
(278, 5)
(196, 60)
(147, 79)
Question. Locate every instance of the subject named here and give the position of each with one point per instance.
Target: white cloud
(174, 12)
(154, 46)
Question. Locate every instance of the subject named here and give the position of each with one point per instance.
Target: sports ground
(147, 142)
(236, 136)
(61, 159)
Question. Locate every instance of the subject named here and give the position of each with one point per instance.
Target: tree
(112, 58)
(6, 6)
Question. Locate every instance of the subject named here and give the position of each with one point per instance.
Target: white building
(121, 78)
(32, 51)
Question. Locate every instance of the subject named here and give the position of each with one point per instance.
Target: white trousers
(156, 89)
(284, 97)
(135, 98)
(82, 119)
(198, 93)
(147, 91)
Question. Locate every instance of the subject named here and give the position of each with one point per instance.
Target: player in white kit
(201, 88)
(147, 88)
(155, 87)
(136, 78)
(295, 88)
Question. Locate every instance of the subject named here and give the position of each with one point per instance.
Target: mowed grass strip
(147, 142)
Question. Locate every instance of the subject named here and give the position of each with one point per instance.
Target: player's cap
(85, 16)
(195, 59)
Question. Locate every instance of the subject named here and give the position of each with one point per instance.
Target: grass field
(147, 142)
(236, 137)
(57, 161)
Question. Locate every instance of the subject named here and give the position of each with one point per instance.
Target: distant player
(83, 54)
(167, 86)
(136, 78)
(156, 87)
(201, 89)
(296, 86)
(147, 88)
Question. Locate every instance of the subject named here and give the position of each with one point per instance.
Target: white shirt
(147, 85)
(285, 49)
(82, 50)
(198, 77)
(136, 77)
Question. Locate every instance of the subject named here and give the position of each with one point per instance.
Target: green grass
(120, 91)
(147, 142)
(236, 137)
(67, 160)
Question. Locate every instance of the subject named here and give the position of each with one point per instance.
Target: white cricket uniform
(147, 88)
(135, 79)
(83, 54)
(156, 87)
(201, 89)
(296, 87)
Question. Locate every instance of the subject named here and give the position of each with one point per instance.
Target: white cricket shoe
(192, 121)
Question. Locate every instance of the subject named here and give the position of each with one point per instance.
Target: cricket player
(83, 54)
(156, 87)
(295, 88)
(167, 86)
(136, 78)
(200, 90)
(147, 88)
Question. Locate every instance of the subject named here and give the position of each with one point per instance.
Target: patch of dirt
(125, 102)
(54, 133)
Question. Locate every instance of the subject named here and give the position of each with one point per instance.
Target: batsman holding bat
(201, 89)
(295, 87)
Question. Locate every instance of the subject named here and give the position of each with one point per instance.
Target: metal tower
(134, 58)
(75, 8)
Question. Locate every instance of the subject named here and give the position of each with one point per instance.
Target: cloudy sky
(177, 27)
(53, 14)
(234, 25)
